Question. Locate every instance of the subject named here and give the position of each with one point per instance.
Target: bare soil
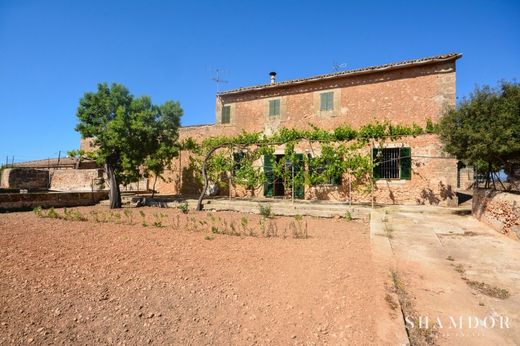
(88, 282)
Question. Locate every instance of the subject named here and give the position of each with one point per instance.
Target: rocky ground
(179, 280)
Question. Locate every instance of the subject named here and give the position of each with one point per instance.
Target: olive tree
(132, 136)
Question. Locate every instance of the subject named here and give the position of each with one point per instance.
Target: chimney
(273, 77)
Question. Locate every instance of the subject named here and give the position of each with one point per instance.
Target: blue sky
(51, 52)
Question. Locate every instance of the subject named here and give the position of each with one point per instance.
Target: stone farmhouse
(404, 93)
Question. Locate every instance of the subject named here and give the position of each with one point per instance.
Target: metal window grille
(390, 163)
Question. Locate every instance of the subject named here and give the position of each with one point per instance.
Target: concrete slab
(438, 253)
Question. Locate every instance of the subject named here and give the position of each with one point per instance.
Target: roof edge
(364, 70)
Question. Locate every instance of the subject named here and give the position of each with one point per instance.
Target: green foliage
(484, 130)
(133, 137)
(52, 214)
(341, 153)
(184, 208)
(143, 217)
(73, 215)
(265, 210)
(348, 215)
(38, 211)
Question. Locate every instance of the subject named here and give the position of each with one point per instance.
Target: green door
(269, 176)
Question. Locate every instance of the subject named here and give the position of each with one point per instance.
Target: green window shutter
(226, 115)
(406, 163)
(269, 176)
(327, 101)
(323, 102)
(377, 167)
(274, 108)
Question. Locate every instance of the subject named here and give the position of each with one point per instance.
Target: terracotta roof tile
(364, 70)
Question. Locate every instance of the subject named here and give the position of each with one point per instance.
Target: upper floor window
(327, 101)
(392, 163)
(274, 108)
(226, 115)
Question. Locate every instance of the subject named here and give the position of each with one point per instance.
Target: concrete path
(453, 267)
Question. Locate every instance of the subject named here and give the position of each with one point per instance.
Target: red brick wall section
(500, 210)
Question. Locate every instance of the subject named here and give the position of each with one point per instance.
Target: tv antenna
(338, 66)
(217, 79)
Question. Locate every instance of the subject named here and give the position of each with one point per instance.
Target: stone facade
(24, 178)
(403, 93)
(500, 210)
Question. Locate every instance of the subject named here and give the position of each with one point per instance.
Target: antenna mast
(336, 67)
(217, 79)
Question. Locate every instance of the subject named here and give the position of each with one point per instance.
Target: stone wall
(500, 210)
(29, 201)
(25, 178)
(77, 180)
(402, 96)
(433, 181)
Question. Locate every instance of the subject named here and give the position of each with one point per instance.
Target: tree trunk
(114, 194)
(153, 188)
(205, 177)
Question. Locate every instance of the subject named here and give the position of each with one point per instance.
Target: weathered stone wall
(76, 180)
(24, 178)
(433, 181)
(402, 96)
(29, 201)
(500, 210)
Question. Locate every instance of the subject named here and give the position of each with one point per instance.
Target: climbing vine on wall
(341, 153)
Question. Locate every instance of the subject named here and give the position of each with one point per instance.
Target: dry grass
(488, 290)
(416, 336)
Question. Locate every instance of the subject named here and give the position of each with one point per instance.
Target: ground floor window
(392, 163)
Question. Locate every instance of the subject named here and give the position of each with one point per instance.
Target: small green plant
(215, 230)
(450, 258)
(299, 229)
(143, 216)
(116, 217)
(209, 237)
(272, 230)
(261, 223)
(52, 214)
(129, 216)
(265, 210)
(73, 215)
(348, 216)
(38, 211)
(157, 220)
(176, 223)
(234, 230)
(184, 207)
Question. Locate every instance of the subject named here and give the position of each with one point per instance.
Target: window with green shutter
(226, 115)
(406, 163)
(327, 101)
(392, 163)
(274, 108)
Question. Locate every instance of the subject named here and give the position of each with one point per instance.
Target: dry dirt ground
(177, 282)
